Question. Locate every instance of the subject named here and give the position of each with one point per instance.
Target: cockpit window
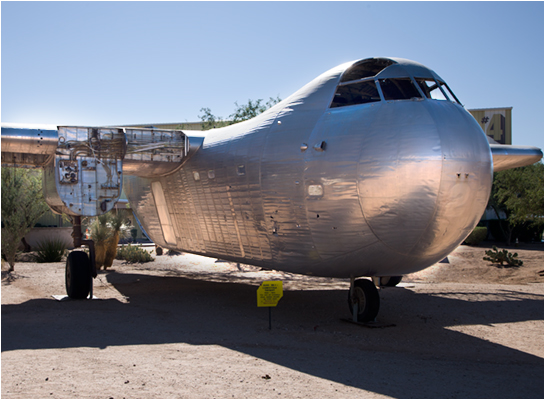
(435, 90)
(355, 93)
(431, 89)
(398, 89)
(383, 79)
(366, 69)
(447, 89)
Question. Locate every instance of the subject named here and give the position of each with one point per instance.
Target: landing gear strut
(363, 300)
(390, 281)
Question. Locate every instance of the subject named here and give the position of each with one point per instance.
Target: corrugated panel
(495, 122)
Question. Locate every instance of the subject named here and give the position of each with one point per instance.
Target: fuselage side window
(355, 93)
(398, 89)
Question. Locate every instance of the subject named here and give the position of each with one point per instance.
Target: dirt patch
(466, 265)
(188, 326)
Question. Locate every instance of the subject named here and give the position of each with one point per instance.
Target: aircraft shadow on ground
(307, 333)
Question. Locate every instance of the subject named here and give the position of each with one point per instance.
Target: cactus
(502, 256)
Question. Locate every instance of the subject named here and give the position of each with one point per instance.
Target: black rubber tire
(390, 281)
(368, 300)
(78, 275)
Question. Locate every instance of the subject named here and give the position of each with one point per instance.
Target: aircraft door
(331, 200)
(282, 186)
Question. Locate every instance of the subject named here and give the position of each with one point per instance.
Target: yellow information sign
(269, 293)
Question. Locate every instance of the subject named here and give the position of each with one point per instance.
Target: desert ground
(186, 326)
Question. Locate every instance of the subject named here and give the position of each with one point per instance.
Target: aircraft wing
(84, 166)
(507, 157)
(144, 151)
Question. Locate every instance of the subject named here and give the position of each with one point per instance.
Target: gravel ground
(188, 327)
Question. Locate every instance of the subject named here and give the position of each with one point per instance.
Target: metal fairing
(28, 146)
(382, 188)
(507, 157)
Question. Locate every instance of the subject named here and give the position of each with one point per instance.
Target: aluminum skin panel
(143, 205)
(425, 191)
(335, 218)
(232, 205)
(283, 189)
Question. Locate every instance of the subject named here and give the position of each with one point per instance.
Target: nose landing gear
(363, 300)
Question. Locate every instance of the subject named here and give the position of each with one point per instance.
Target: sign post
(268, 295)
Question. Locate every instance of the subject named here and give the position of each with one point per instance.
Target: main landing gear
(78, 275)
(363, 300)
(80, 268)
(363, 297)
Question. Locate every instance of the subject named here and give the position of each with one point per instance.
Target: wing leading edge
(507, 157)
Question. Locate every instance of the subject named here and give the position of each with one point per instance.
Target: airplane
(373, 169)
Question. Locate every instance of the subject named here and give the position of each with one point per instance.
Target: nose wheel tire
(78, 275)
(390, 281)
(365, 295)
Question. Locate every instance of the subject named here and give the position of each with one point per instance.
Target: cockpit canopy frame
(386, 79)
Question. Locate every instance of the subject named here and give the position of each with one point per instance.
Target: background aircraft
(373, 169)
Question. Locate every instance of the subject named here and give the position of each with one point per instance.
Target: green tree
(22, 205)
(242, 113)
(519, 193)
(209, 120)
(251, 109)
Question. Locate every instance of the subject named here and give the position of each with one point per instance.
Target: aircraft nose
(424, 178)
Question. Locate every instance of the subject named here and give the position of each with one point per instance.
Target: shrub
(22, 205)
(477, 236)
(499, 257)
(99, 229)
(133, 254)
(105, 231)
(50, 250)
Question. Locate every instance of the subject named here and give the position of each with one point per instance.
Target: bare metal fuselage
(360, 173)
(385, 188)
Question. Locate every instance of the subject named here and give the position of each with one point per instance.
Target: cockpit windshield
(355, 93)
(383, 79)
(366, 69)
(357, 85)
(399, 89)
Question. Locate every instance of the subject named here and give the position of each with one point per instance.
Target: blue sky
(107, 63)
